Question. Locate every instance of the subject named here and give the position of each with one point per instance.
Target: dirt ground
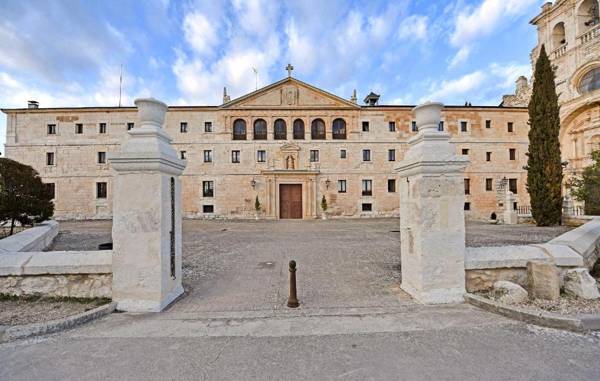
(20, 311)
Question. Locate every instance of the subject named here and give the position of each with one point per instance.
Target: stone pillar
(146, 228)
(432, 226)
(510, 216)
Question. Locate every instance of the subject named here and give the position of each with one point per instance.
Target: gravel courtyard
(243, 265)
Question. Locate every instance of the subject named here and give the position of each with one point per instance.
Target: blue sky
(69, 53)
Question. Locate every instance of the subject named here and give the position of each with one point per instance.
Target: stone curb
(10, 333)
(576, 323)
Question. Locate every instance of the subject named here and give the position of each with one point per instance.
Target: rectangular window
(102, 128)
(367, 187)
(235, 156)
(130, 126)
(488, 124)
(391, 155)
(465, 151)
(489, 183)
(463, 126)
(183, 128)
(488, 156)
(512, 154)
(413, 126)
(79, 128)
(342, 154)
(261, 156)
(101, 190)
(467, 186)
(365, 126)
(441, 126)
(314, 155)
(342, 186)
(510, 127)
(207, 156)
(49, 158)
(467, 206)
(392, 126)
(208, 189)
(512, 185)
(391, 185)
(182, 155)
(366, 155)
(51, 129)
(51, 189)
(367, 207)
(101, 157)
(208, 127)
(208, 208)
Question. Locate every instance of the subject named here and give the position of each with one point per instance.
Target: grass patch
(54, 299)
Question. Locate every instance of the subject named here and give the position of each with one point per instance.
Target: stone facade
(570, 32)
(82, 133)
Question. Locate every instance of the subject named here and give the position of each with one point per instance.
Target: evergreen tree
(544, 167)
(23, 195)
(586, 188)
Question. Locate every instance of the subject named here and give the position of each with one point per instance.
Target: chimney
(33, 104)
(226, 98)
(353, 97)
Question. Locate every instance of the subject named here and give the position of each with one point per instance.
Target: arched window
(239, 129)
(587, 15)
(590, 81)
(558, 35)
(339, 128)
(260, 129)
(280, 130)
(317, 129)
(298, 129)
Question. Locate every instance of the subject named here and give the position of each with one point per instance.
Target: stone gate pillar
(432, 227)
(146, 227)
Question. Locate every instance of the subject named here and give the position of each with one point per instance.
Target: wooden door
(290, 201)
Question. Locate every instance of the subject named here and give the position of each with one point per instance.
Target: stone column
(147, 215)
(432, 227)
(510, 216)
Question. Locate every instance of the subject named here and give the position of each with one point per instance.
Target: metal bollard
(293, 299)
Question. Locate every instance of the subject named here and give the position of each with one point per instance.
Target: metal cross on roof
(289, 69)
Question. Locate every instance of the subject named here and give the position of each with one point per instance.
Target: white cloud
(489, 17)
(507, 74)
(461, 56)
(199, 33)
(413, 27)
(455, 88)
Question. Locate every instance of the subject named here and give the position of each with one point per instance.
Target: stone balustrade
(589, 35)
(560, 51)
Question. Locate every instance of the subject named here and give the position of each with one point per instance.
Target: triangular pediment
(289, 93)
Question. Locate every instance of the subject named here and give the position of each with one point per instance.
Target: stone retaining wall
(78, 274)
(486, 265)
(36, 238)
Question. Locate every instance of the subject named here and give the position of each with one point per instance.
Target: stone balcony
(559, 52)
(589, 35)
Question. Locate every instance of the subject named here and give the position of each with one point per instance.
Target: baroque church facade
(570, 32)
(290, 144)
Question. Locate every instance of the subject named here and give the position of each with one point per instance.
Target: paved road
(354, 323)
(412, 343)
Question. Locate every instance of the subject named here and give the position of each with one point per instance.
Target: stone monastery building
(290, 144)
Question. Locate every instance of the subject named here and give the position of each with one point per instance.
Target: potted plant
(324, 207)
(256, 208)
